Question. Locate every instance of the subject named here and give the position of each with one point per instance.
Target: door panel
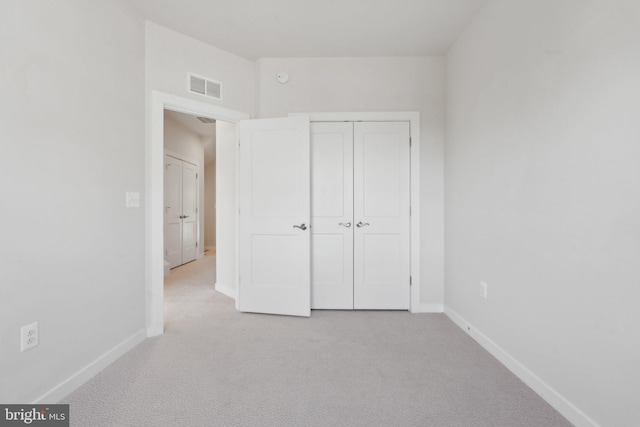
(270, 174)
(274, 256)
(189, 212)
(331, 206)
(381, 214)
(382, 174)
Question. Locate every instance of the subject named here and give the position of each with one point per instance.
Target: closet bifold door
(332, 215)
(381, 215)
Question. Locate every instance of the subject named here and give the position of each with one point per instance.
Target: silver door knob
(362, 224)
(348, 224)
(184, 216)
(301, 226)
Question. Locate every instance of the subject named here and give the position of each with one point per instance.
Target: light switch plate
(133, 200)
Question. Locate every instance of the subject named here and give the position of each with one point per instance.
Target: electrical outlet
(483, 290)
(29, 336)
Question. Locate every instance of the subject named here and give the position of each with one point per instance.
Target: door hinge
(410, 141)
(196, 244)
(196, 176)
(410, 281)
(409, 210)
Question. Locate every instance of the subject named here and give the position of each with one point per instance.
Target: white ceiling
(320, 28)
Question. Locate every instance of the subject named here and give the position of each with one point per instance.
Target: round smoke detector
(283, 77)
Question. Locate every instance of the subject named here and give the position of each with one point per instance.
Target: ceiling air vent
(204, 86)
(206, 120)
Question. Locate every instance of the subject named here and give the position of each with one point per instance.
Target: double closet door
(181, 211)
(360, 215)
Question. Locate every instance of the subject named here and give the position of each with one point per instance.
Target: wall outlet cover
(29, 336)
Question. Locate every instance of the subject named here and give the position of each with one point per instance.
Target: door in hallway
(181, 201)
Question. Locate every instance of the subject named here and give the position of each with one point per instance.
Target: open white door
(274, 236)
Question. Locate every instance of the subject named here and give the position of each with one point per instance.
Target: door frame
(154, 193)
(413, 117)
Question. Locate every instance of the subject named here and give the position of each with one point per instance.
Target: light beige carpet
(217, 367)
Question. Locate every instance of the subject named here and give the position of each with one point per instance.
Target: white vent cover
(204, 86)
(206, 120)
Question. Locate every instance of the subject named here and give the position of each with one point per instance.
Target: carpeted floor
(217, 367)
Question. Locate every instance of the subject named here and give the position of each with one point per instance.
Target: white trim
(154, 177)
(429, 308)
(413, 118)
(227, 290)
(551, 396)
(62, 390)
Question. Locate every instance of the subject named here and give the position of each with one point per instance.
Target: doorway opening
(189, 210)
(226, 120)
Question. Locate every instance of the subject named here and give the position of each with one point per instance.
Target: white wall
(210, 204)
(375, 84)
(72, 140)
(543, 194)
(170, 56)
(188, 145)
(226, 163)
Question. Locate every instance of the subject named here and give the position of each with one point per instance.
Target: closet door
(332, 215)
(381, 214)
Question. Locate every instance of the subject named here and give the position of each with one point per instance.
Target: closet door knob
(301, 226)
(362, 224)
(348, 224)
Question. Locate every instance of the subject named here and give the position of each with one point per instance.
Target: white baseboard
(429, 308)
(551, 396)
(225, 290)
(153, 331)
(62, 390)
